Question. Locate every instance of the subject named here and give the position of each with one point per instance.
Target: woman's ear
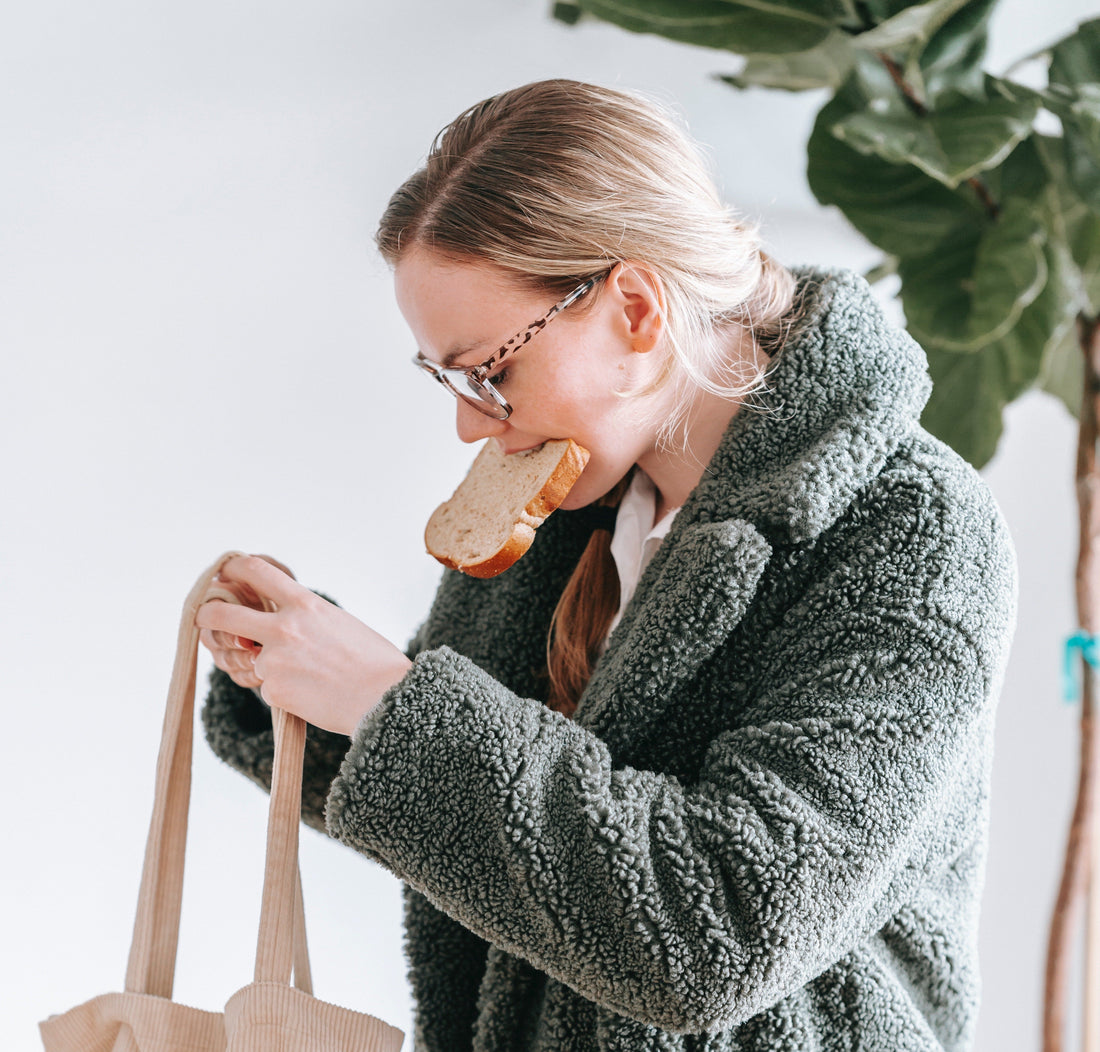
(640, 296)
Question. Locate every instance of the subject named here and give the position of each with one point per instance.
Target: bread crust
(554, 490)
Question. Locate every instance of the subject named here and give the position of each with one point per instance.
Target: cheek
(574, 396)
(587, 395)
(555, 405)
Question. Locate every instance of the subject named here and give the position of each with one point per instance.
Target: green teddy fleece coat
(766, 826)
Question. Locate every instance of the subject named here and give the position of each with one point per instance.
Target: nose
(473, 426)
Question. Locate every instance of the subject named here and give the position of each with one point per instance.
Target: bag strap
(152, 962)
(275, 946)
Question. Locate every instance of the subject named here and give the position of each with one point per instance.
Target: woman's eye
(499, 378)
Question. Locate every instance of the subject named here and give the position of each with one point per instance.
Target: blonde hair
(558, 180)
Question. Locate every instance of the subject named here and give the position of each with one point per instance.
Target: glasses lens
(477, 393)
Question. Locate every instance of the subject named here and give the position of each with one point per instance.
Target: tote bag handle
(282, 922)
(152, 962)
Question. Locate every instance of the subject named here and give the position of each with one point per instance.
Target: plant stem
(918, 106)
(986, 198)
(912, 100)
(1075, 871)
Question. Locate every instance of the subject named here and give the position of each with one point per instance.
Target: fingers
(235, 620)
(216, 640)
(236, 592)
(278, 565)
(243, 677)
(234, 656)
(234, 625)
(247, 679)
(263, 577)
(236, 661)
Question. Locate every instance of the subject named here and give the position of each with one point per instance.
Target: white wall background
(200, 351)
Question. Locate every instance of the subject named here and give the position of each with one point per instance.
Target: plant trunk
(1076, 878)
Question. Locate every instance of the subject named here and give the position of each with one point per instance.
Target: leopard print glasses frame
(473, 386)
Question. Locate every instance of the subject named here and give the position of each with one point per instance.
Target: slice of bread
(492, 517)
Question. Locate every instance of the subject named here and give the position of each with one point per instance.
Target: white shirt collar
(636, 536)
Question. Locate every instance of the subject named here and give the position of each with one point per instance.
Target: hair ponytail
(583, 615)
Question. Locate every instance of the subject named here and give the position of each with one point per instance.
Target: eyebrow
(457, 352)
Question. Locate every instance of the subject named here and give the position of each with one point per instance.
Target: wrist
(382, 684)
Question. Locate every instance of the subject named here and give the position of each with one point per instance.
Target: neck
(677, 471)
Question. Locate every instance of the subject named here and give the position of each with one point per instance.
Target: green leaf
(885, 268)
(1041, 324)
(970, 391)
(1035, 173)
(1063, 370)
(1084, 247)
(896, 207)
(1075, 269)
(1075, 98)
(1073, 228)
(883, 10)
(569, 13)
(825, 11)
(970, 291)
(1075, 60)
(774, 28)
(1077, 167)
(1023, 173)
(912, 27)
(849, 15)
(825, 66)
(1085, 112)
(954, 142)
(1081, 142)
(952, 41)
(1040, 348)
(880, 10)
(953, 58)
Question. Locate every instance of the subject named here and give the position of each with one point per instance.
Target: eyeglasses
(472, 385)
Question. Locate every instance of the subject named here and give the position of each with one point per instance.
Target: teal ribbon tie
(1090, 651)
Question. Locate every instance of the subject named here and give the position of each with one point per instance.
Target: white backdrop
(200, 351)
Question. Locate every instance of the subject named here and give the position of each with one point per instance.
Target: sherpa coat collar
(845, 391)
(786, 469)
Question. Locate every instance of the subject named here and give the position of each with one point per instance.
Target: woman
(710, 771)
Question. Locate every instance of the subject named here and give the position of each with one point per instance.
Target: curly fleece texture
(766, 827)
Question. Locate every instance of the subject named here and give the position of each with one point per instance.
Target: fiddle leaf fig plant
(987, 211)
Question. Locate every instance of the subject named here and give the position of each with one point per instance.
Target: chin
(589, 488)
(572, 502)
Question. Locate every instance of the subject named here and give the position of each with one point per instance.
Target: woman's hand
(233, 654)
(312, 658)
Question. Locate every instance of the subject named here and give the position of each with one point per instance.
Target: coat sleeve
(694, 907)
(237, 727)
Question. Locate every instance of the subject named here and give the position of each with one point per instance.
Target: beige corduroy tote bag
(268, 1015)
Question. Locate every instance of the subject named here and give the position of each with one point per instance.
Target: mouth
(524, 449)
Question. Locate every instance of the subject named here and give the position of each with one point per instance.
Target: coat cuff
(381, 802)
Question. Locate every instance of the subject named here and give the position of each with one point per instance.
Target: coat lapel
(690, 598)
